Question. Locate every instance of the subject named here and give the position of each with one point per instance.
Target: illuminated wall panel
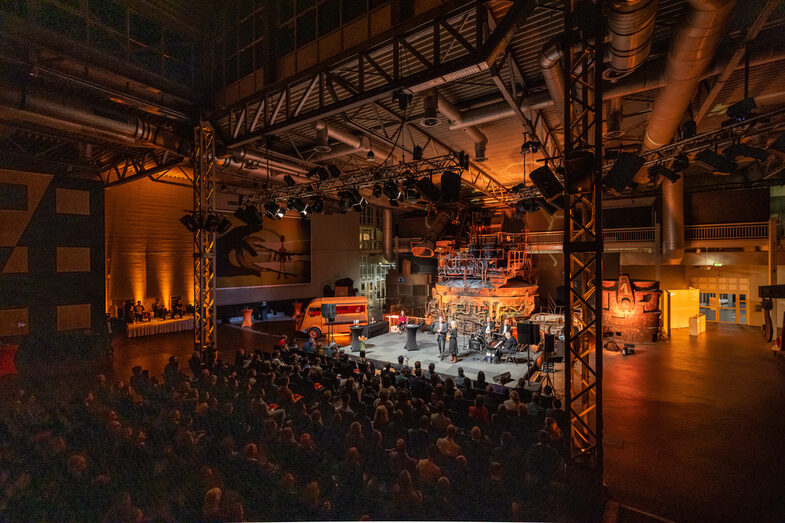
(70, 201)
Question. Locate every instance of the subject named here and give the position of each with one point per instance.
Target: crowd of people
(290, 434)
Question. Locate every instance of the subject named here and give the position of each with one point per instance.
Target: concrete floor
(695, 428)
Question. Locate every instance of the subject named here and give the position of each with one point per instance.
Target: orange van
(347, 310)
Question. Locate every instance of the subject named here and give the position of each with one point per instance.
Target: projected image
(275, 253)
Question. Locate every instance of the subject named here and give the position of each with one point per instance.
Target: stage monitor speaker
(328, 311)
(528, 333)
(550, 343)
(503, 378)
(451, 186)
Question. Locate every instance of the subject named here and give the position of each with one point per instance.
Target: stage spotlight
(655, 171)
(428, 190)
(322, 173)
(530, 146)
(715, 162)
(680, 162)
(377, 190)
(345, 200)
(370, 156)
(623, 171)
(334, 171)
(740, 149)
(463, 160)
(417, 153)
(741, 110)
(298, 205)
(316, 204)
(578, 171)
(211, 223)
(224, 225)
(412, 196)
(520, 208)
(546, 182)
(518, 188)
(393, 203)
(189, 222)
(391, 190)
(289, 180)
(273, 210)
(689, 129)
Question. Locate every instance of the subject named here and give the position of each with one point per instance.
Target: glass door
(708, 305)
(727, 312)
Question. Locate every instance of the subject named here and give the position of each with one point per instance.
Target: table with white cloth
(158, 326)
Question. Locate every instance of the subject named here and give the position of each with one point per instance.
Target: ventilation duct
(426, 248)
(454, 115)
(692, 49)
(387, 234)
(631, 27)
(552, 72)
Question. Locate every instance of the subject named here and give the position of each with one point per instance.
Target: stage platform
(159, 326)
(387, 347)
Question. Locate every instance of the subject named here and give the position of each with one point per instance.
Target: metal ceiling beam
(738, 54)
(432, 72)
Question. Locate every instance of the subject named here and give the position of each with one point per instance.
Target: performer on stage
(138, 311)
(509, 347)
(505, 327)
(487, 330)
(453, 337)
(440, 329)
(401, 323)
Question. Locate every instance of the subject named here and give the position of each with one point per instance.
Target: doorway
(724, 307)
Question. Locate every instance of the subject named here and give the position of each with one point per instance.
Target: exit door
(724, 307)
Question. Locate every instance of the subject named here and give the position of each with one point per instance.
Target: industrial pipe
(550, 59)
(454, 115)
(693, 47)
(631, 28)
(426, 248)
(387, 234)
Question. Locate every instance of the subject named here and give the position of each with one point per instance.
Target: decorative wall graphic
(631, 309)
(277, 253)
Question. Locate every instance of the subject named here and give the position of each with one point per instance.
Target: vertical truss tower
(583, 243)
(204, 241)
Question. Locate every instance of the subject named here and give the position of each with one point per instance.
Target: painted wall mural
(276, 253)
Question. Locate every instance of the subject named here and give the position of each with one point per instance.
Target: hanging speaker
(546, 182)
(623, 171)
(451, 186)
(428, 190)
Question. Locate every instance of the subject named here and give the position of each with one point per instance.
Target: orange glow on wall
(631, 309)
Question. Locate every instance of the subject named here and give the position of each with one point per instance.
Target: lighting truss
(204, 241)
(360, 179)
(583, 242)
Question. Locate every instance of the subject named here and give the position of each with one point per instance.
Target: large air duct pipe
(387, 234)
(337, 134)
(244, 154)
(74, 112)
(454, 115)
(550, 59)
(631, 28)
(648, 77)
(692, 49)
(426, 248)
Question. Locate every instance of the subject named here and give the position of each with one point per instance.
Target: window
(351, 9)
(350, 309)
(314, 311)
(329, 16)
(306, 28)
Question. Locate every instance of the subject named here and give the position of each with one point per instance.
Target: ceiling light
(273, 210)
(391, 190)
(417, 153)
(370, 156)
(715, 162)
(530, 146)
(741, 110)
(298, 205)
(741, 149)
(479, 152)
(377, 190)
(412, 196)
(680, 162)
(316, 204)
(655, 171)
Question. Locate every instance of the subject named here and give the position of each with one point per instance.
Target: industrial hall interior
(413, 260)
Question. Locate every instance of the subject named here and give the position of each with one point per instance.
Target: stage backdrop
(279, 253)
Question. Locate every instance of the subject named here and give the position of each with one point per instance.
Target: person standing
(487, 330)
(138, 311)
(441, 334)
(505, 327)
(453, 341)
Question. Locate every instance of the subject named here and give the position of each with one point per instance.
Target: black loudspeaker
(451, 186)
(502, 378)
(550, 343)
(528, 333)
(429, 191)
(328, 311)
(623, 171)
(546, 182)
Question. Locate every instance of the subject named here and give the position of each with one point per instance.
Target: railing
(728, 231)
(630, 235)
